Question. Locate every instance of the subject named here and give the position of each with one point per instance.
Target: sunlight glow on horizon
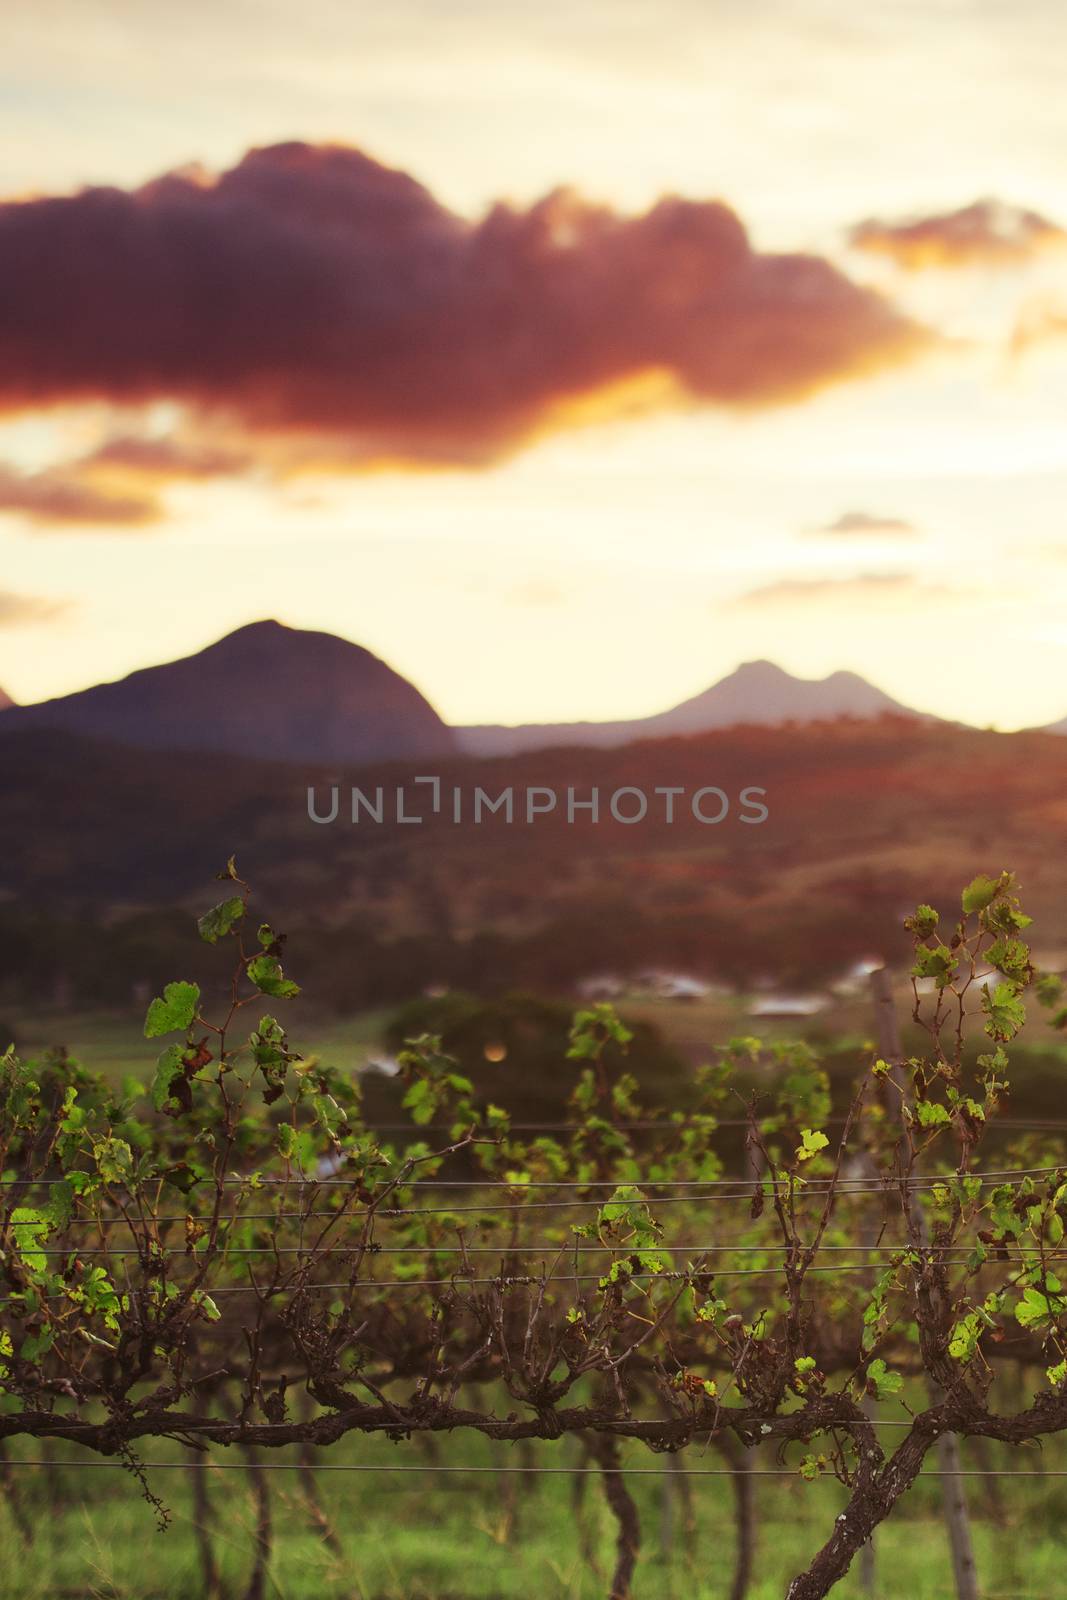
(606, 568)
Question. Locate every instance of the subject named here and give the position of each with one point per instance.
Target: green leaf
(1004, 1010)
(929, 1114)
(979, 893)
(965, 1335)
(420, 1101)
(35, 1345)
(184, 1176)
(168, 1067)
(60, 1207)
(28, 1227)
(114, 1160)
(205, 1304)
(1035, 1309)
(1012, 958)
(922, 922)
(1049, 990)
(810, 1145)
(938, 963)
(174, 1012)
(266, 973)
(883, 1381)
(220, 920)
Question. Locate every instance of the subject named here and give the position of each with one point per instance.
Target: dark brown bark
(586, 1542)
(871, 1501)
(203, 1523)
(624, 1511)
(317, 1514)
(264, 1532)
(744, 1486)
(954, 1499)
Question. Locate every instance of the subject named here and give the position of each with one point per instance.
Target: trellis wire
(744, 1182)
(546, 1247)
(159, 1252)
(685, 1472)
(505, 1281)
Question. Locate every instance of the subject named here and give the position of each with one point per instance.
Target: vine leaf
(174, 1012)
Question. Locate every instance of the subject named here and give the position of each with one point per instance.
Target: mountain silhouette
(757, 692)
(266, 690)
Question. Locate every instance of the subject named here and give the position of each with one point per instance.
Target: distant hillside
(757, 693)
(265, 690)
(866, 817)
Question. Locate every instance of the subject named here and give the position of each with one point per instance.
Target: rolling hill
(111, 849)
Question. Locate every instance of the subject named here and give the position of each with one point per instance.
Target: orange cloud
(867, 586)
(61, 495)
(164, 457)
(985, 233)
(312, 295)
(16, 610)
(1041, 319)
(860, 524)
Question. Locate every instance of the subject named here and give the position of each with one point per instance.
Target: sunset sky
(565, 356)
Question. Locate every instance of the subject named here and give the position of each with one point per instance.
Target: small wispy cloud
(868, 586)
(60, 496)
(20, 610)
(162, 457)
(537, 592)
(860, 523)
(987, 233)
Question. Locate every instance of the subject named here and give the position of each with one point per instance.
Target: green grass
(489, 1537)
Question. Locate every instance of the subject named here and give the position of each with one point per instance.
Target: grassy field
(496, 1537)
(113, 1042)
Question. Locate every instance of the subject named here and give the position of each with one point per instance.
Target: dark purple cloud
(311, 291)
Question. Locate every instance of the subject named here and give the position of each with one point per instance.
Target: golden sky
(563, 359)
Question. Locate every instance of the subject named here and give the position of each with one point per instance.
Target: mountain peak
(760, 669)
(756, 692)
(265, 628)
(763, 692)
(266, 690)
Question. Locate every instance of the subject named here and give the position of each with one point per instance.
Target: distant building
(788, 1005)
(856, 979)
(387, 1066)
(602, 986)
